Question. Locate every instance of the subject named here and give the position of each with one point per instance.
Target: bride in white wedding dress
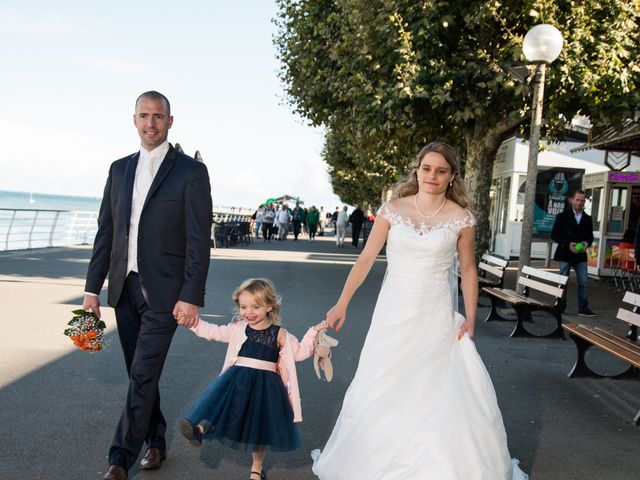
(421, 405)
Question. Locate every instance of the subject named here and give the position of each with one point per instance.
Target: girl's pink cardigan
(293, 351)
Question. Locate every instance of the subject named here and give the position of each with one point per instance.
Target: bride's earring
(451, 184)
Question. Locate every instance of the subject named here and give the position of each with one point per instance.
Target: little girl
(255, 400)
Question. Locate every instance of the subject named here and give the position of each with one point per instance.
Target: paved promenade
(59, 406)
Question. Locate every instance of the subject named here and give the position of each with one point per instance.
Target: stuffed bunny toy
(322, 355)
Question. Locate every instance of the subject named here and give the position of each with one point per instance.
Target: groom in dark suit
(154, 236)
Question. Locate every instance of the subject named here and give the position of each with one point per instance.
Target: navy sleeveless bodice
(261, 344)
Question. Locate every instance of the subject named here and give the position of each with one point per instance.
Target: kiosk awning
(627, 139)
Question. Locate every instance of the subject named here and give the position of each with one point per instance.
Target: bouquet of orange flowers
(86, 331)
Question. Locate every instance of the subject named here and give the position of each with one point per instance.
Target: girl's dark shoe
(191, 432)
(263, 476)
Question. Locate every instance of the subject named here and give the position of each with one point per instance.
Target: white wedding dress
(421, 405)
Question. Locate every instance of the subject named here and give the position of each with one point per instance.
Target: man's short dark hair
(153, 95)
(578, 191)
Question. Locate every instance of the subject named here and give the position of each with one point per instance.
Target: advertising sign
(552, 196)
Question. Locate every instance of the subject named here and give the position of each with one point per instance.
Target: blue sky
(71, 71)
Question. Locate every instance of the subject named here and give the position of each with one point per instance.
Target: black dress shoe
(116, 472)
(152, 459)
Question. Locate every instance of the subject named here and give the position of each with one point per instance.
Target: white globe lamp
(542, 44)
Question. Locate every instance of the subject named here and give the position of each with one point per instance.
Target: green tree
(386, 76)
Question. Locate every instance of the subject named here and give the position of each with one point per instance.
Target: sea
(38, 220)
(45, 201)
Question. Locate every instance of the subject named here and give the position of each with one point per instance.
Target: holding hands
(186, 314)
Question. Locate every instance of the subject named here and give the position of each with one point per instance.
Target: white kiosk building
(559, 173)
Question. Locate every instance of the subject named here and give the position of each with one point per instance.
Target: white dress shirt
(148, 165)
(578, 216)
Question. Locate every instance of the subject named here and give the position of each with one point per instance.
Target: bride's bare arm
(336, 315)
(469, 282)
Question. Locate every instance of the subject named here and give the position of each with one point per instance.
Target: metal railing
(23, 228)
(36, 228)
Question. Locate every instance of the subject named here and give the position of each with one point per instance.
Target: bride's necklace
(428, 217)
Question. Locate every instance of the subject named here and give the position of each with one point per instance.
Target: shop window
(593, 206)
(503, 213)
(522, 181)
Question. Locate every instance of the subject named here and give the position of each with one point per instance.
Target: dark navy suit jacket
(174, 234)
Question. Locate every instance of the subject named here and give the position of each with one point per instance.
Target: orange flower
(91, 334)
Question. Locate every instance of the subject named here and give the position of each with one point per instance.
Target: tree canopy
(387, 76)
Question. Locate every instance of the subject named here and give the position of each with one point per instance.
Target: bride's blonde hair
(457, 191)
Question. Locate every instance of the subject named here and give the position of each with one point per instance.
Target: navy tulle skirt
(246, 408)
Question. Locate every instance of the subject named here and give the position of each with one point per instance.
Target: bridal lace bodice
(427, 248)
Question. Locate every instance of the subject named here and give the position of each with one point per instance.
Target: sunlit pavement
(59, 406)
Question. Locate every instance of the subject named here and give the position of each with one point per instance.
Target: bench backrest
(552, 284)
(493, 265)
(632, 317)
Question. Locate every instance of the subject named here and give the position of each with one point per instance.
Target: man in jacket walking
(153, 240)
(573, 232)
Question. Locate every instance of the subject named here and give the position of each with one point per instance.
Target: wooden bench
(491, 274)
(532, 279)
(625, 348)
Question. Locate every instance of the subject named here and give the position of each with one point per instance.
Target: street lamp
(542, 45)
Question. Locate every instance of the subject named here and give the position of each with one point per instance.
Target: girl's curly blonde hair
(265, 294)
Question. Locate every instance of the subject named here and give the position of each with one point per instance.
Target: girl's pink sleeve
(303, 349)
(210, 331)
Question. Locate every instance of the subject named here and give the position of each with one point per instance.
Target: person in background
(342, 221)
(296, 219)
(267, 223)
(572, 227)
(322, 222)
(283, 222)
(313, 219)
(259, 216)
(334, 218)
(628, 239)
(356, 219)
(303, 219)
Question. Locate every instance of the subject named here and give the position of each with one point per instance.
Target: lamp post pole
(532, 167)
(541, 45)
